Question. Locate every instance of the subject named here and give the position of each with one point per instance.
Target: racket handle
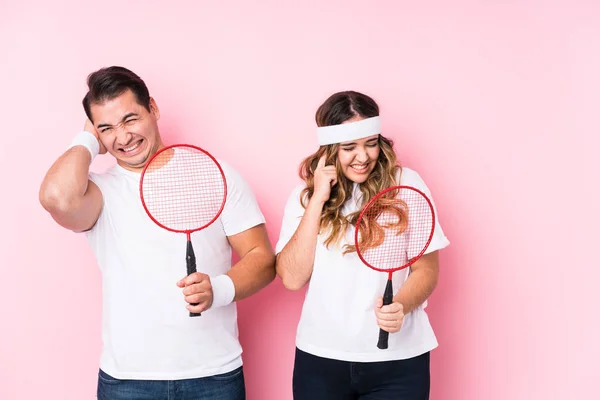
(190, 259)
(388, 297)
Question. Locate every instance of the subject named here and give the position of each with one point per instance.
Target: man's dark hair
(108, 83)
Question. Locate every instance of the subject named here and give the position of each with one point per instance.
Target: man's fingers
(393, 308)
(197, 298)
(191, 279)
(197, 288)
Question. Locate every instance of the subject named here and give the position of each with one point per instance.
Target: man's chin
(133, 162)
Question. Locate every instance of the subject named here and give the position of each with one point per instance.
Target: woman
(336, 354)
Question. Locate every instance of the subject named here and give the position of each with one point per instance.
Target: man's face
(127, 130)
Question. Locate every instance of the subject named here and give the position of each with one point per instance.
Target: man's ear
(154, 108)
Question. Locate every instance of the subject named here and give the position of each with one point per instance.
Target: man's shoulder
(109, 173)
(228, 169)
(234, 178)
(111, 178)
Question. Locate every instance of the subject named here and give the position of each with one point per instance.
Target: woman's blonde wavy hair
(335, 110)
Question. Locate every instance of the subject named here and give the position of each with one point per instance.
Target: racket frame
(189, 231)
(368, 205)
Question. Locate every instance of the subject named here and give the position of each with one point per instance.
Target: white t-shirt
(338, 317)
(147, 332)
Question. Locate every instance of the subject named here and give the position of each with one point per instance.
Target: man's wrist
(87, 140)
(223, 290)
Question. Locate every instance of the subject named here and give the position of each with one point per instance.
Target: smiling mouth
(360, 168)
(131, 148)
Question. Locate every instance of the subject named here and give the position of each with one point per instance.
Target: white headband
(349, 131)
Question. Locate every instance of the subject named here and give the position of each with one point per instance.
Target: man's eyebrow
(128, 115)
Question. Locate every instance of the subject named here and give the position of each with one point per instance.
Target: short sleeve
(292, 216)
(439, 239)
(98, 180)
(241, 211)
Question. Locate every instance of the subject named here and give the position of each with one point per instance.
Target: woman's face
(358, 157)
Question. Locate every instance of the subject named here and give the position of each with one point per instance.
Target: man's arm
(66, 193)
(254, 271)
(256, 267)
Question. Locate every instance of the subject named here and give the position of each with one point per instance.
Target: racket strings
(392, 231)
(183, 189)
(386, 214)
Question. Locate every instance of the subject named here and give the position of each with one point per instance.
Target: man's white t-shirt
(147, 332)
(338, 317)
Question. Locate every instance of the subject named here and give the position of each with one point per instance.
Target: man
(152, 349)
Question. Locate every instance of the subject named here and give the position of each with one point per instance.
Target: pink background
(496, 104)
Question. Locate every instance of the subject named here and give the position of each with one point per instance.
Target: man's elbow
(54, 200)
(268, 266)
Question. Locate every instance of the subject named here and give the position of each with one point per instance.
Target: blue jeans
(227, 386)
(317, 378)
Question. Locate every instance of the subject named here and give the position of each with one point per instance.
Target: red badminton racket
(183, 189)
(392, 232)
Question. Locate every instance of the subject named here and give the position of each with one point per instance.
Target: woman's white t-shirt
(338, 317)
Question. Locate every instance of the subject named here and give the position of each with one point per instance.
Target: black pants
(317, 378)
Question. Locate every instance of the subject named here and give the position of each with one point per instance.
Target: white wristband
(223, 290)
(87, 140)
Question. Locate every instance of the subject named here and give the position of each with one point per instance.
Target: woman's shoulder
(296, 194)
(297, 190)
(410, 177)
